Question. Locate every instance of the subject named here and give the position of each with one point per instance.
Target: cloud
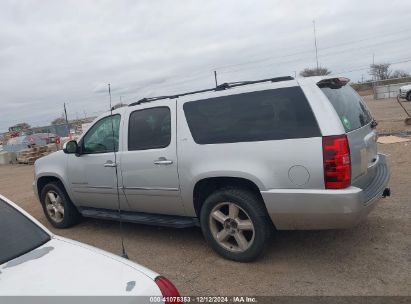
(68, 51)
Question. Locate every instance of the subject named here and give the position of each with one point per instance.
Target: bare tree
(59, 121)
(380, 71)
(21, 126)
(399, 74)
(119, 105)
(307, 72)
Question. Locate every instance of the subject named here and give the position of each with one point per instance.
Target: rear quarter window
(349, 106)
(256, 116)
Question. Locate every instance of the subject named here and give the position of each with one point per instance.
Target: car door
(149, 160)
(92, 174)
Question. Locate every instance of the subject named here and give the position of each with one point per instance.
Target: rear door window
(18, 235)
(349, 106)
(149, 129)
(256, 116)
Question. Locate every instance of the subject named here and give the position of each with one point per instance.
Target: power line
(320, 50)
(365, 39)
(205, 75)
(405, 60)
(305, 57)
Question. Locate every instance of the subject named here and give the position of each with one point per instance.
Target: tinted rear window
(349, 106)
(257, 116)
(18, 235)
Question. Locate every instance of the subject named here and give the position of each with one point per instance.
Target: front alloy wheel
(54, 206)
(57, 206)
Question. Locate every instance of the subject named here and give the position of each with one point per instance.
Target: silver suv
(239, 160)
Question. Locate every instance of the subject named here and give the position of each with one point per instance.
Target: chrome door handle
(163, 161)
(110, 164)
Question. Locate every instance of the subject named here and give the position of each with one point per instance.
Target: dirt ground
(371, 259)
(389, 114)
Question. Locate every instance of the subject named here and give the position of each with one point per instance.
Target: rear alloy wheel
(235, 224)
(57, 206)
(231, 227)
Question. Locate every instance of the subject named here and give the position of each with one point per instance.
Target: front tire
(408, 96)
(235, 224)
(57, 206)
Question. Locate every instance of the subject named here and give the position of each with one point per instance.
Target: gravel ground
(371, 259)
(389, 114)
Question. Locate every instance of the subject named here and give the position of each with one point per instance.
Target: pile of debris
(29, 156)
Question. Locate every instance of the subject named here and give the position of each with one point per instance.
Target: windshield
(18, 235)
(349, 106)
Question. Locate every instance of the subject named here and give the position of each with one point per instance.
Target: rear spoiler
(333, 83)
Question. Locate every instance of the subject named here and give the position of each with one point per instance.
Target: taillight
(337, 162)
(168, 290)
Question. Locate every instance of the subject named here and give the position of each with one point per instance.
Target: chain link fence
(382, 89)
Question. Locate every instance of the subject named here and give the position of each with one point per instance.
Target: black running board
(174, 221)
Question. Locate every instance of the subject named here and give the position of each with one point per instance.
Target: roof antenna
(215, 78)
(123, 254)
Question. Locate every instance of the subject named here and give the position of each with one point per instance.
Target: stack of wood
(29, 156)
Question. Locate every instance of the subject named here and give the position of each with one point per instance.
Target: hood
(58, 155)
(66, 267)
(406, 87)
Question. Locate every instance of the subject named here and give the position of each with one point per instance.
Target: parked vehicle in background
(237, 160)
(17, 144)
(49, 138)
(405, 92)
(33, 261)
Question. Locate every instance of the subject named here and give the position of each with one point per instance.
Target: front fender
(55, 166)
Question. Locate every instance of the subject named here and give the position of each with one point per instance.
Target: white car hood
(66, 267)
(406, 87)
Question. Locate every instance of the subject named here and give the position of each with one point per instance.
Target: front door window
(99, 139)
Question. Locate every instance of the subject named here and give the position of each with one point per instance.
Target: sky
(55, 52)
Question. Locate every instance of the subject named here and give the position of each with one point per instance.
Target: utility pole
(373, 78)
(67, 124)
(65, 114)
(315, 43)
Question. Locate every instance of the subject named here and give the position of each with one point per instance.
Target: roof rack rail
(220, 87)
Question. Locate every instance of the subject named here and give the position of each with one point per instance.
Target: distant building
(60, 130)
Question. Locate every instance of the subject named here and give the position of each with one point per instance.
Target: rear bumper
(304, 209)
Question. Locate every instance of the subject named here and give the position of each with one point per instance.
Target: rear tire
(57, 206)
(235, 224)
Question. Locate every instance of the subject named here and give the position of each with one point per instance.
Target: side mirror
(70, 147)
